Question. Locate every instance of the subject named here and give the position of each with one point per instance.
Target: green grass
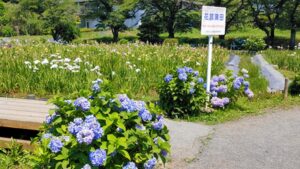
(136, 69)
(245, 107)
(288, 62)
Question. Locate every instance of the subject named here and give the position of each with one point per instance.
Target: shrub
(183, 92)
(98, 129)
(295, 86)
(123, 41)
(238, 44)
(171, 41)
(7, 31)
(254, 44)
(65, 32)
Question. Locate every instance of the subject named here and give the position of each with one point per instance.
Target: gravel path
(275, 78)
(233, 64)
(270, 141)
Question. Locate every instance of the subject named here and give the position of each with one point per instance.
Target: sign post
(213, 23)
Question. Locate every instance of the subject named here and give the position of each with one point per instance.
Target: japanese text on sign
(213, 20)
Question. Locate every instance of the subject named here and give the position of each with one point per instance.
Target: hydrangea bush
(99, 130)
(183, 92)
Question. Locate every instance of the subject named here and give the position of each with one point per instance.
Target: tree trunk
(293, 38)
(272, 36)
(222, 37)
(115, 33)
(171, 31)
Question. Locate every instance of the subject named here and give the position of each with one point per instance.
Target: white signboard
(213, 20)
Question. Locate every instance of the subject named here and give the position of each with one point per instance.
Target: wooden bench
(22, 114)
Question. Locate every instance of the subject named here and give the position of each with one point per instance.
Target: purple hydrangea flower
(87, 166)
(196, 73)
(55, 145)
(215, 79)
(130, 165)
(214, 94)
(97, 157)
(145, 115)
(75, 126)
(126, 103)
(96, 87)
(217, 102)
(68, 101)
(192, 90)
(226, 100)
(164, 153)
(168, 78)
(200, 80)
(140, 127)
(249, 93)
(222, 78)
(246, 84)
(181, 70)
(150, 164)
(85, 136)
(188, 69)
(159, 124)
(50, 118)
(140, 105)
(47, 135)
(182, 76)
(222, 89)
(82, 104)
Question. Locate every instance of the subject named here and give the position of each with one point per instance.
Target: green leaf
(111, 149)
(121, 125)
(95, 110)
(111, 138)
(125, 154)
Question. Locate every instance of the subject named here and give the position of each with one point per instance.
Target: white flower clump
(57, 62)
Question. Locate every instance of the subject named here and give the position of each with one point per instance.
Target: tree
(113, 13)
(60, 17)
(266, 15)
(175, 15)
(293, 11)
(235, 11)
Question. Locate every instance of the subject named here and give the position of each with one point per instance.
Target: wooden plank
(18, 124)
(22, 100)
(42, 110)
(5, 142)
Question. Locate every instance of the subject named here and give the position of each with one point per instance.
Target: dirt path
(270, 141)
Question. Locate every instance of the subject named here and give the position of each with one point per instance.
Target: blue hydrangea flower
(50, 118)
(249, 93)
(222, 89)
(168, 78)
(55, 145)
(130, 165)
(214, 94)
(140, 127)
(126, 103)
(246, 84)
(200, 80)
(140, 105)
(226, 100)
(145, 115)
(215, 79)
(97, 157)
(182, 76)
(196, 73)
(82, 104)
(181, 70)
(217, 102)
(150, 164)
(87, 166)
(119, 130)
(192, 90)
(222, 78)
(75, 126)
(188, 69)
(159, 125)
(85, 136)
(237, 83)
(47, 135)
(164, 153)
(68, 101)
(96, 87)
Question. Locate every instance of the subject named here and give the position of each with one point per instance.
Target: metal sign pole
(210, 47)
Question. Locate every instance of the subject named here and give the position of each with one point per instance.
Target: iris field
(47, 69)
